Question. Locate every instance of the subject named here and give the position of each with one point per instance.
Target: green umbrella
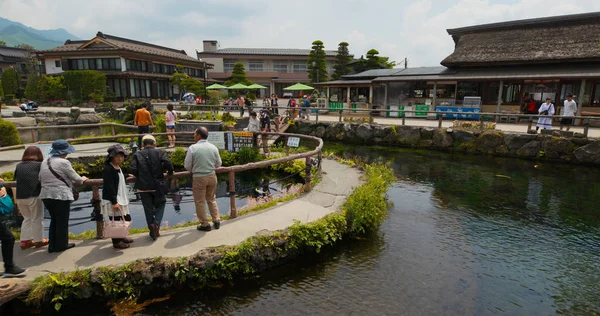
(256, 86)
(298, 87)
(215, 87)
(238, 86)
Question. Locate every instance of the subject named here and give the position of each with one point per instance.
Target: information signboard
(240, 140)
(293, 141)
(217, 139)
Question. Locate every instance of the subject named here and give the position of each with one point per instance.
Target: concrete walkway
(326, 197)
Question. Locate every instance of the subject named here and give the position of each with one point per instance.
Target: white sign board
(45, 148)
(217, 139)
(293, 141)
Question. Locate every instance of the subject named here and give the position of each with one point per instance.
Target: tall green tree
(318, 71)
(192, 85)
(342, 58)
(32, 89)
(9, 81)
(53, 88)
(177, 78)
(374, 61)
(1, 91)
(238, 75)
(84, 85)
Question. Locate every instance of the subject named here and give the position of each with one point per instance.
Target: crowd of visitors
(51, 183)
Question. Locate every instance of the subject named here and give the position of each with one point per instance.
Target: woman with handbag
(115, 199)
(28, 198)
(57, 178)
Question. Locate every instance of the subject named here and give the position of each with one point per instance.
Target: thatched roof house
(560, 39)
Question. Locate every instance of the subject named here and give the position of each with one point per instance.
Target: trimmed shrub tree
(85, 85)
(9, 133)
(9, 81)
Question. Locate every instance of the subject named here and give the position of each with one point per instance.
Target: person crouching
(115, 199)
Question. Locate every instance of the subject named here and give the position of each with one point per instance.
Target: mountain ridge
(15, 33)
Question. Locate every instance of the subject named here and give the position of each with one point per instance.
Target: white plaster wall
(50, 65)
(217, 64)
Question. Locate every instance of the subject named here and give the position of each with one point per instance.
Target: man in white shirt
(202, 159)
(570, 109)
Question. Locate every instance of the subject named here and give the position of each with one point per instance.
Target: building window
(256, 66)
(280, 66)
(228, 65)
(137, 65)
(57, 64)
(93, 64)
(299, 67)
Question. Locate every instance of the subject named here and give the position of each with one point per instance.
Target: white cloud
(401, 28)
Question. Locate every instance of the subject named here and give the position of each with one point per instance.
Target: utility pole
(405, 62)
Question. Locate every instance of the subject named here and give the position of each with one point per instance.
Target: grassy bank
(362, 213)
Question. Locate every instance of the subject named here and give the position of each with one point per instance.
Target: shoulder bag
(161, 186)
(74, 189)
(116, 229)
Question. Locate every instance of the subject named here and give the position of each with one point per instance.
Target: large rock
(516, 141)
(408, 135)
(489, 141)
(44, 120)
(63, 121)
(589, 153)
(75, 111)
(442, 139)
(88, 119)
(364, 132)
(334, 131)
(60, 114)
(19, 114)
(22, 121)
(349, 132)
(427, 132)
(555, 147)
(463, 136)
(530, 149)
(320, 131)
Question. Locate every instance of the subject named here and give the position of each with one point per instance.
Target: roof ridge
(108, 37)
(580, 17)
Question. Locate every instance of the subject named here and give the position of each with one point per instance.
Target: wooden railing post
(340, 118)
(440, 121)
(112, 129)
(307, 178)
(481, 122)
(403, 118)
(529, 124)
(586, 128)
(232, 207)
(317, 115)
(371, 116)
(97, 212)
(33, 135)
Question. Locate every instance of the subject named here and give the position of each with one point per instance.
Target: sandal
(26, 244)
(121, 245)
(42, 243)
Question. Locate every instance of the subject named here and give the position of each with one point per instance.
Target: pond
(473, 235)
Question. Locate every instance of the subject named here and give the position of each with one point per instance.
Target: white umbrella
(188, 94)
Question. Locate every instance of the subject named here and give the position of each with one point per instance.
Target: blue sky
(412, 29)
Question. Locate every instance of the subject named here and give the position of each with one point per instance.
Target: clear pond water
(467, 235)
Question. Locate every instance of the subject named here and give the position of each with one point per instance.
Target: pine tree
(9, 82)
(342, 58)
(238, 75)
(318, 72)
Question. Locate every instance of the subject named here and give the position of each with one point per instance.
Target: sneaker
(217, 225)
(13, 271)
(204, 228)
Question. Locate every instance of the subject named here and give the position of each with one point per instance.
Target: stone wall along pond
(529, 146)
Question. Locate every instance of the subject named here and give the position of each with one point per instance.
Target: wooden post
(340, 119)
(287, 148)
(586, 127)
(481, 122)
(33, 136)
(440, 121)
(232, 208)
(580, 102)
(112, 130)
(403, 118)
(371, 116)
(499, 101)
(317, 112)
(96, 205)
(529, 125)
(307, 179)
(434, 101)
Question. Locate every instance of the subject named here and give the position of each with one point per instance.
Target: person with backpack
(306, 107)
(8, 244)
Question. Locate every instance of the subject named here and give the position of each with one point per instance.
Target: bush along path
(361, 212)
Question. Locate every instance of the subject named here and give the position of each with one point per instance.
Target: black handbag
(73, 188)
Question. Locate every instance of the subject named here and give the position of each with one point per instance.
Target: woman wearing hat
(57, 178)
(115, 199)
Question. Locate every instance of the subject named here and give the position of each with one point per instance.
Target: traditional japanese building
(134, 69)
(500, 63)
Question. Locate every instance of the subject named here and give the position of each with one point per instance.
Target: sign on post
(239, 140)
(293, 141)
(217, 139)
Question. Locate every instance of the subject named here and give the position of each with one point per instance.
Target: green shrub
(178, 157)
(8, 176)
(248, 155)
(227, 117)
(366, 207)
(9, 133)
(228, 159)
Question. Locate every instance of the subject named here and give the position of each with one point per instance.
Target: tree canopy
(85, 85)
(316, 65)
(9, 81)
(342, 58)
(2, 43)
(238, 75)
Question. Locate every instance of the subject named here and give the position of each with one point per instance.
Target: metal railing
(95, 184)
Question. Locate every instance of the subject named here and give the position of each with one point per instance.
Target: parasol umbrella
(238, 86)
(188, 94)
(256, 86)
(298, 87)
(216, 86)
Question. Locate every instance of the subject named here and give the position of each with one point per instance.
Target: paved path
(326, 197)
